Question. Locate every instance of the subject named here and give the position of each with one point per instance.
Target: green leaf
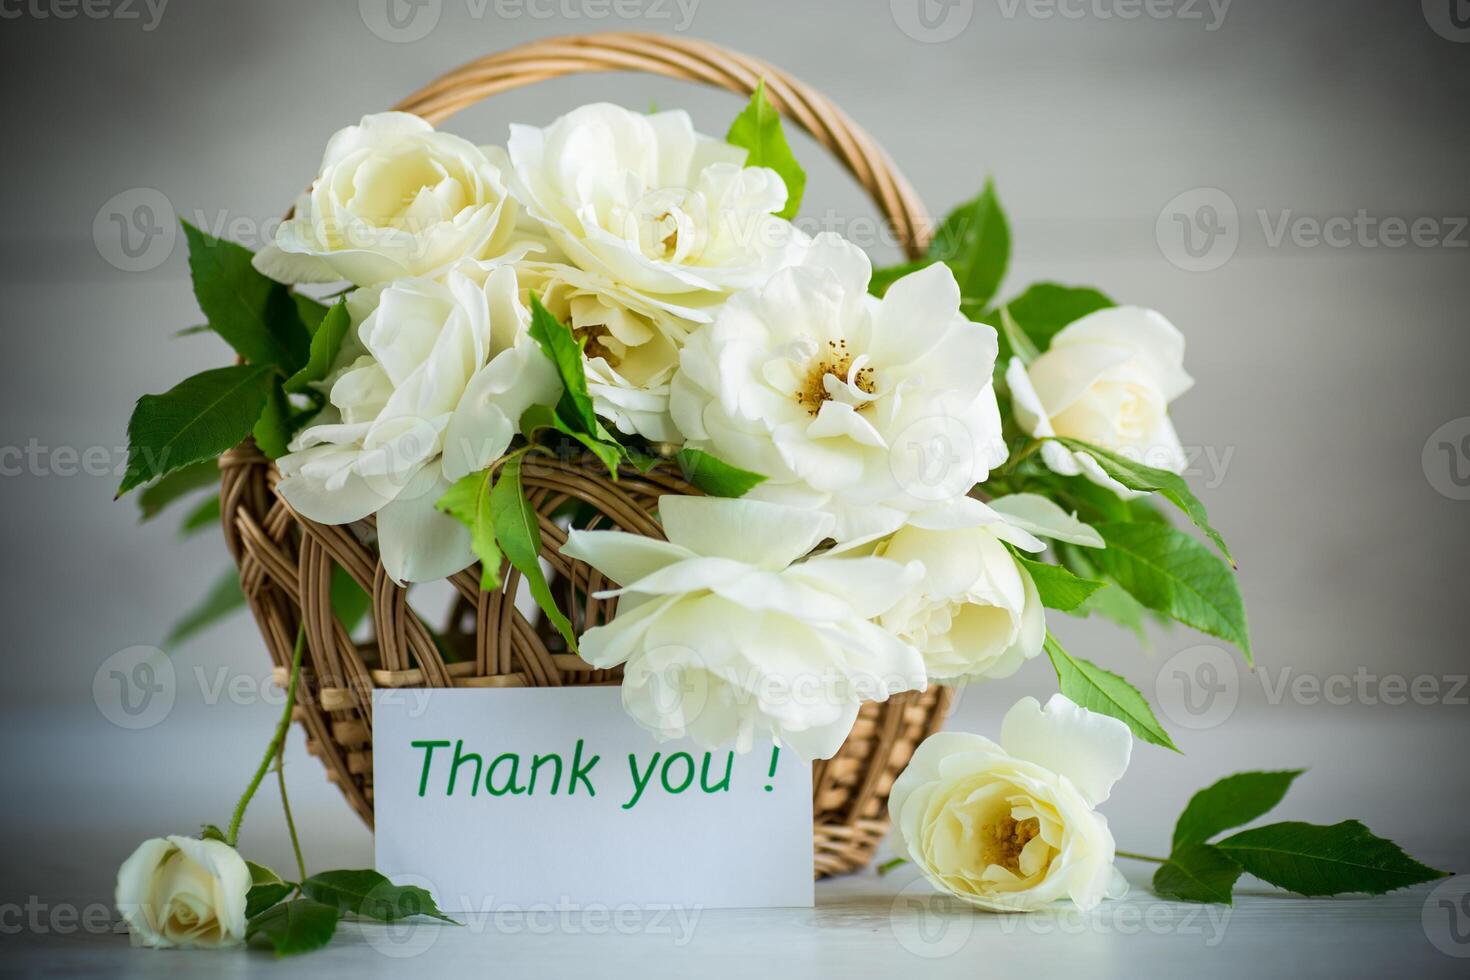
(1112, 601)
(326, 342)
(575, 415)
(350, 602)
(370, 894)
(1046, 307)
(297, 926)
(1169, 571)
(520, 538)
(539, 417)
(715, 476)
(309, 311)
(255, 315)
(1198, 873)
(1015, 340)
(975, 242)
(1058, 588)
(887, 276)
(206, 514)
(1150, 479)
(266, 889)
(210, 831)
(223, 598)
(272, 430)
(181, 482)
(468, 502)
(1315, 860)
(1231, 802)
(196, 420)
(758, 130)
(1106, 693)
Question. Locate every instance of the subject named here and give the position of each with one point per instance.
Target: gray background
(1321, 371)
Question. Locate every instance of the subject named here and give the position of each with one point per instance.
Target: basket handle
(695, 61)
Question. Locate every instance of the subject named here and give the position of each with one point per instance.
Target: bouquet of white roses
(902, 475)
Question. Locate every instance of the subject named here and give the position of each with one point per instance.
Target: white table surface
(73, 818)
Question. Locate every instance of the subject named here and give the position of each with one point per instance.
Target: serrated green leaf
(272, 430)
(370, 894)
(195, 420)
(758, 131)
(180, 483)
(205, 514)
(975, 242)
(715, 476)
(1111, 601)
(210, 831)
(223, 598)
(1151, 479)
(1169, 571)
(266, 889)
(1106, 693)
(326, 342)
(519, 535)
(1231, 802)
(298, 926)
(1310, 859)
(256, 316)
(1058, 588)
(1198, 873)
(468, 502)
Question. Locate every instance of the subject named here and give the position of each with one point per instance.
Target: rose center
(598, 341)
(837, 362)
(1001, 843)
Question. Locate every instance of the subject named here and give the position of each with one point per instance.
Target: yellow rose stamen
(838, 362)
(1003, 841)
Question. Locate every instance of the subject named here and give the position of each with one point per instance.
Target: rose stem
(286, 808)
(1141, 857)
(276, 740)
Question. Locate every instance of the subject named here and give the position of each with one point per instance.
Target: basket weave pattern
(286, 562)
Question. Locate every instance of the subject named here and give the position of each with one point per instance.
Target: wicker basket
(286, 562)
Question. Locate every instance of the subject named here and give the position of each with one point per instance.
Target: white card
(708, 829)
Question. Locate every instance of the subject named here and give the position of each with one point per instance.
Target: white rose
(431, 390)
(644, 201)
(870, 409)
(628, 353)
(1013, 827)
(975, 614)
(183, 892)
(394, 199)
(723, 638)
(1106, 379)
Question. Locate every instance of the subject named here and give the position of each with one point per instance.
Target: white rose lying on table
(183, 892)
(830, 392)
(1013, 827)
(432, 389)
(394, 199)
(725, 634)
(1107, 379)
